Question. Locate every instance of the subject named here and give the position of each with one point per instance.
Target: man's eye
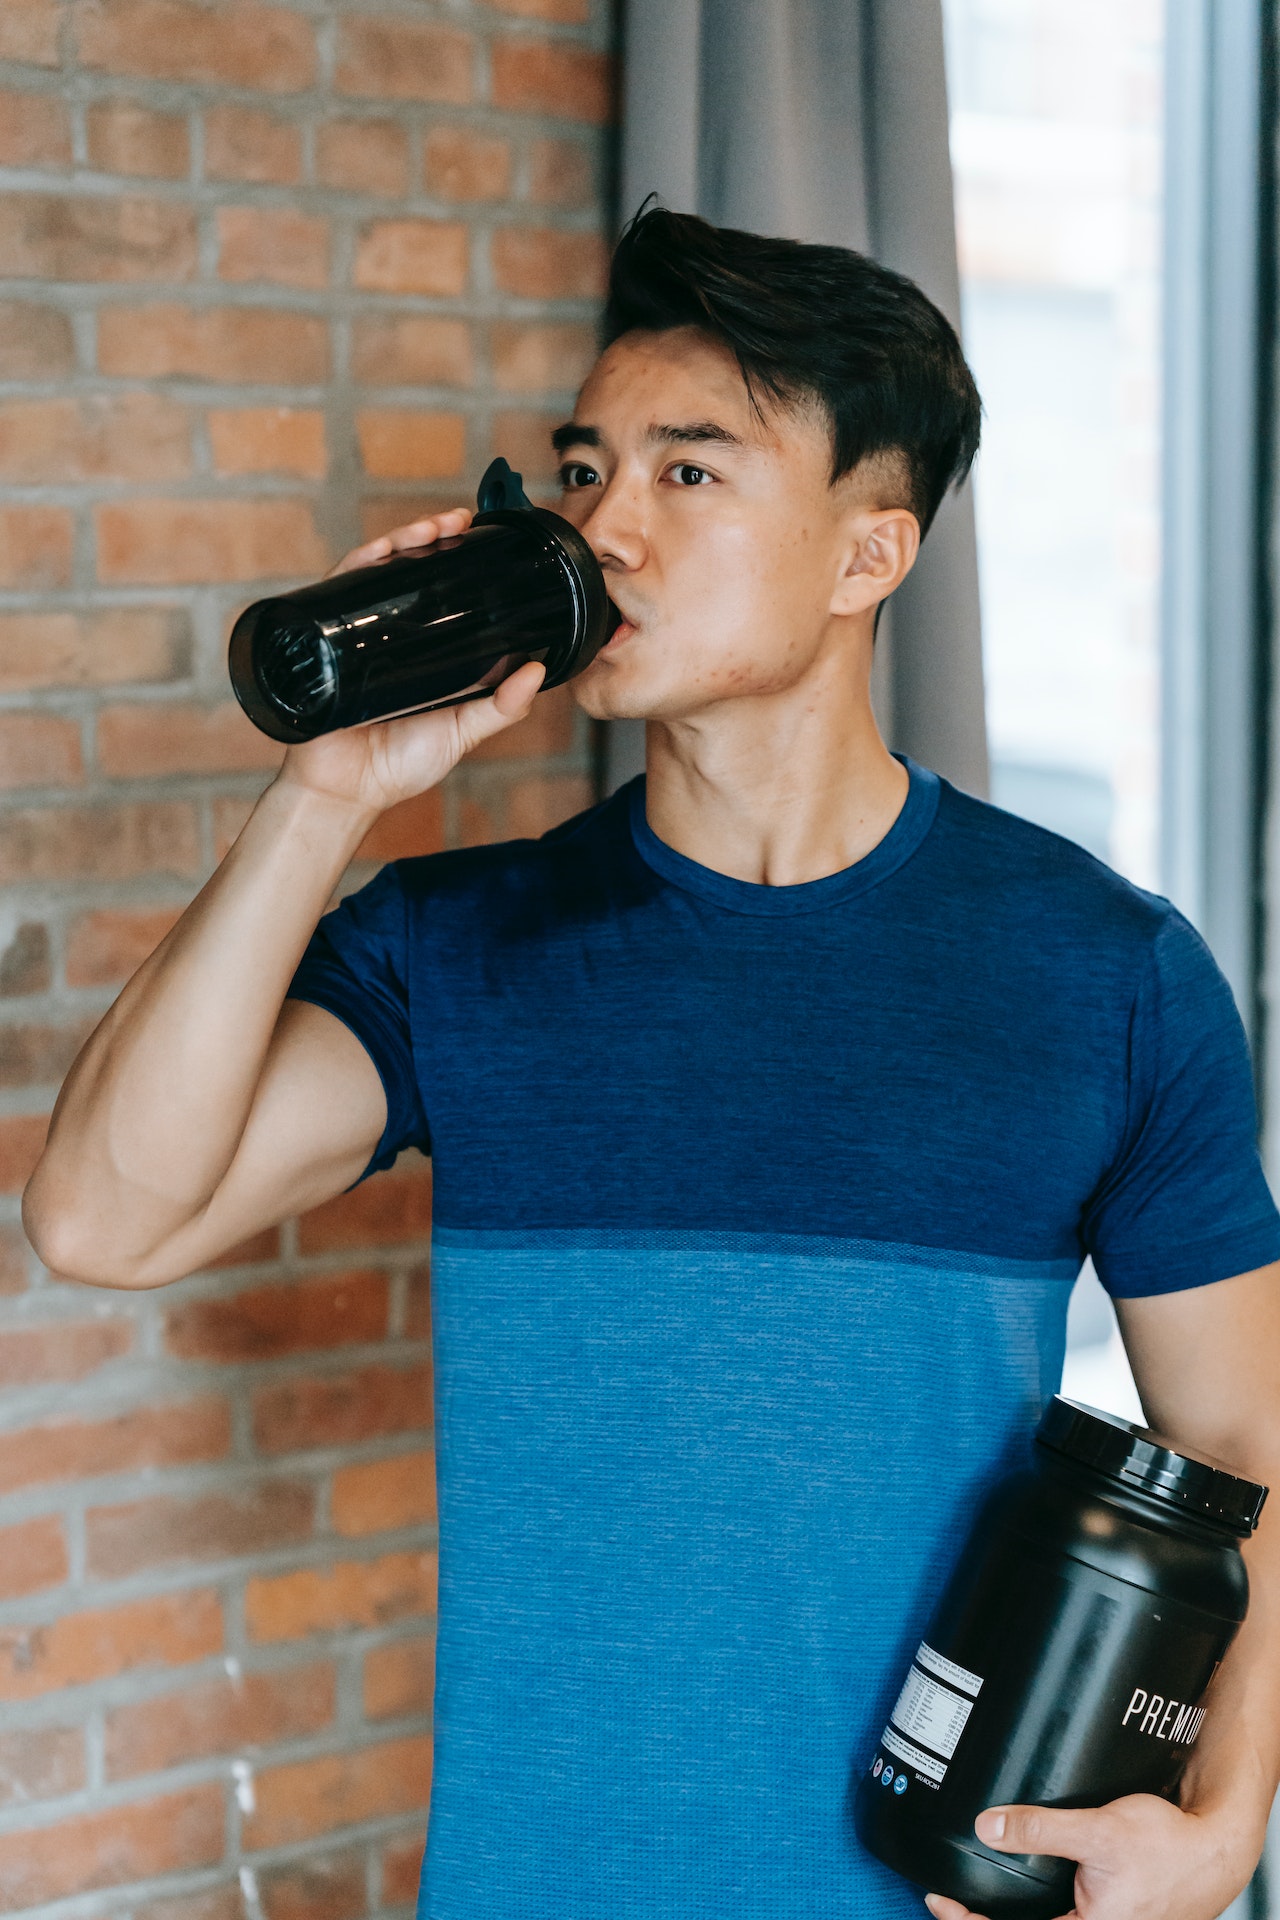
(688, 475)
(576, 473)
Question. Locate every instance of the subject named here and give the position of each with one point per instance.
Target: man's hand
(370, 768)
(1139, 1858)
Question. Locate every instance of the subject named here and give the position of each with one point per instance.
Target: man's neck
(774, 790)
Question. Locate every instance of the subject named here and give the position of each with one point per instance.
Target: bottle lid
(1143, 1460)
(501, 489)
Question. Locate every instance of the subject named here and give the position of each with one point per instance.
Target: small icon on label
(875, 1771)
(886, 1778)
(900, 1784)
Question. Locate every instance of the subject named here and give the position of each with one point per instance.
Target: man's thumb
(1065, 1833)
(477, 719)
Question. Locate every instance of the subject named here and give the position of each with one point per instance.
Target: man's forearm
(1207, 1365)
(150, 1116)
(1235, 1765)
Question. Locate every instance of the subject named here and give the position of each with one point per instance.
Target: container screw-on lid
(1141, 1459)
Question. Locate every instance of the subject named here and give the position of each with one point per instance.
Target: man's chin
(630, 686)
(617, 705)
(606, 694)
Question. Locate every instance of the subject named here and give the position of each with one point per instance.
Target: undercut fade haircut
(810, 323)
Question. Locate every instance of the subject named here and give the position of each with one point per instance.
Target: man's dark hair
(811, 323)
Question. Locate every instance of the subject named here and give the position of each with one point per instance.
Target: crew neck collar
(809, 896)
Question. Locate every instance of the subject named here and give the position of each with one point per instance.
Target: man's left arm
(1207, 1366)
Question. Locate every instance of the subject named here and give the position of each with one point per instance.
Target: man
(773, 1105)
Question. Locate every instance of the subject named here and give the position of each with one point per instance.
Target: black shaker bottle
(1068, 1658)
(427, 628)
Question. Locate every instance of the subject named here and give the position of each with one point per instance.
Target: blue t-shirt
(757, 1210)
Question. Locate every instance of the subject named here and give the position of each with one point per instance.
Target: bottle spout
(501, 489)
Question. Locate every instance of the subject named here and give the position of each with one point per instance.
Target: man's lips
(622, 630)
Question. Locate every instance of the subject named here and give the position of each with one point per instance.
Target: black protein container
(1066, 1662)
(428, 628)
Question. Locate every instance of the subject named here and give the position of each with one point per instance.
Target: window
(1055, 131)
(1056, 121)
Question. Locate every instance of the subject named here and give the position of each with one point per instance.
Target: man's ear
(880, 553)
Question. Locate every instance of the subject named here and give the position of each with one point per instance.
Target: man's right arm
(206, 1106)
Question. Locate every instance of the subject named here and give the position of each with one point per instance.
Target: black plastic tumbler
(431, 627)
(1067, 1661)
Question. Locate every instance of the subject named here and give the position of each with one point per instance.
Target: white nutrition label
(931, 1713)
(943, 1669)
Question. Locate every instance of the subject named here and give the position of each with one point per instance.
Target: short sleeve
(356, 968)
(1186, 1201)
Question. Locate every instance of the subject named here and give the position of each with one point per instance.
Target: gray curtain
(825, 120)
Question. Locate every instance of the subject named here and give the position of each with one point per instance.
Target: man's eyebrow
(693, 432)
(681, 434)
(572, 435)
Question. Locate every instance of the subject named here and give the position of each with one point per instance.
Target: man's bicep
(317, 1117)
(1206, 1363)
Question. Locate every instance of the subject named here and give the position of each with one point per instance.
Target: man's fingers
(420, 533)
(944, 1909)
(365, 556)
(1082, 1833)
(415, 533)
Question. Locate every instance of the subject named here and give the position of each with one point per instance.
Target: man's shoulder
(1017, 874)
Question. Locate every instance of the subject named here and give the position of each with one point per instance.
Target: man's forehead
(655, 389)
(667, 350)
(686, 371)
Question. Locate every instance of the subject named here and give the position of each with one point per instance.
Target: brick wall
(275, 276)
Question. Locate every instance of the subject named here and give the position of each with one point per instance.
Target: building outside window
(1056, 122)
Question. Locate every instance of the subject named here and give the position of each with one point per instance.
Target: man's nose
(617, 527)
